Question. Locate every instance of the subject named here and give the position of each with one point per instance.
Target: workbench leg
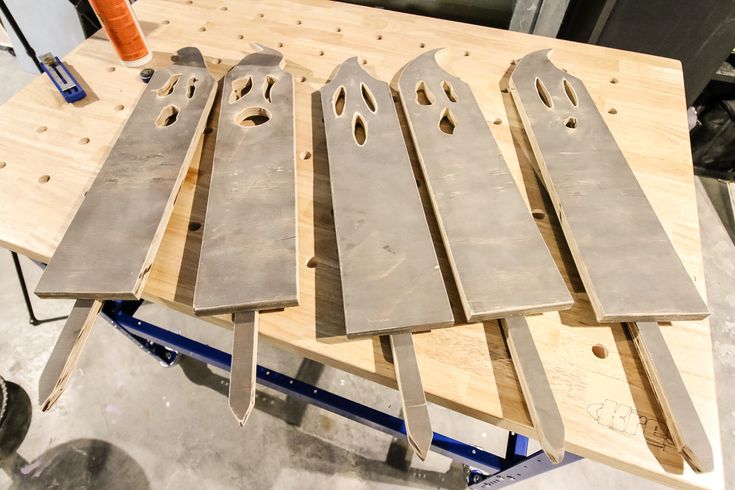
(516, 449)
(26, 297)
(24, 289)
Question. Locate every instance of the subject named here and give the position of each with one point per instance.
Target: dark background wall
(699, 33)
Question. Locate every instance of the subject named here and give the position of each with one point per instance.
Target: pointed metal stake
(413, 399)
(244, 361)
(535, 386)
(67, 351)
(682, 420)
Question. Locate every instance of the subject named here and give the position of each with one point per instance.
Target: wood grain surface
(498, 258)
(108, 248)
(627, 264)
(248, 259)
(389, 272)
(608, 407)
(500, 263)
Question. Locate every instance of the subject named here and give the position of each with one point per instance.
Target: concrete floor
(126, 422)
(14, 77)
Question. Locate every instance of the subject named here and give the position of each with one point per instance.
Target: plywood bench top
(50, 152)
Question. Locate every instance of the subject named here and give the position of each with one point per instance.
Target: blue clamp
(65, 83)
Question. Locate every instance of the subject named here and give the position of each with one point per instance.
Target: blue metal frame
(485, 468)
(167, 357)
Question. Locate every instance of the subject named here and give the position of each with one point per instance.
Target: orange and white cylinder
(123, 30)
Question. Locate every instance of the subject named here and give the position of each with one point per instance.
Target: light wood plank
(108, 249)
(391, 280)
(248, 259)
(629, 267)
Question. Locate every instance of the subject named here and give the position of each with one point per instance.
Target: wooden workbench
(50, 152)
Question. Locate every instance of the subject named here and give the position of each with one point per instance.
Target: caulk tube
(122, 28)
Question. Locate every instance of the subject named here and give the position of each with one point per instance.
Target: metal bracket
(525, 468)
(166, 357)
